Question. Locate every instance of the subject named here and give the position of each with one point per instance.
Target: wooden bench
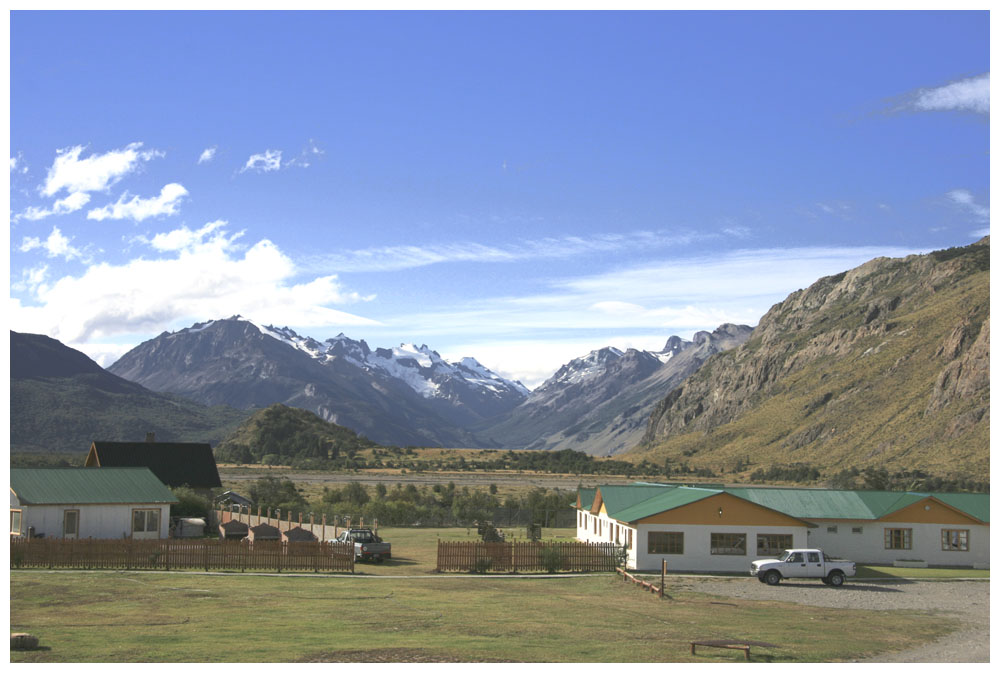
(731, 645)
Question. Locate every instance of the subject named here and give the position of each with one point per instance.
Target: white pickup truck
(795, 563)
(368, 546)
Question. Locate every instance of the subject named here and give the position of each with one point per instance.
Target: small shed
(190, 527)
(264, 532)
(233, 530)
(298, 534)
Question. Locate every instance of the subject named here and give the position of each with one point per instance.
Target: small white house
(105, 503)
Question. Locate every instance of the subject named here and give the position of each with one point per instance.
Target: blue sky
(516, 187)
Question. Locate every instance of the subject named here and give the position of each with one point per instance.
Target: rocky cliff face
(599, 403)
(885, 364)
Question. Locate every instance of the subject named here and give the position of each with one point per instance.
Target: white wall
(868, 546)
(96, 521)
(697, 556)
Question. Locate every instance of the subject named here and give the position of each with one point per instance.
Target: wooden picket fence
(513, 557)
(181, 554)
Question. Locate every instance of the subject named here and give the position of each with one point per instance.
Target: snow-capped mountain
(403, 395)
(599, 403)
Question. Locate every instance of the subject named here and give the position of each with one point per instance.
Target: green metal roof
(667, 498)
(973, 504)
(638, 501)
(618, 498)
(88, 486)
(586, 496)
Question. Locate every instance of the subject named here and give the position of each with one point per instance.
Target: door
(71, 523)
(795, 565)
(814, 564)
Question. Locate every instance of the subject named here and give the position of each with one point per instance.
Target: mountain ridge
(404, 396)
(599, 403)
(882, 366)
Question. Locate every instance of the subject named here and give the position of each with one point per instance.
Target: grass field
(175, 617)
(413, 614)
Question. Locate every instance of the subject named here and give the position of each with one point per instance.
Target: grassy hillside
(882, 368)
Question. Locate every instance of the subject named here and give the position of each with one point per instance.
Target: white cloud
(397, 258)
(56, 245)
(71, 203)
(97, 172)
(139, 209)
(182, 238)
(208, 276)
(304, 160)
(17, 165)
(269, 161)
(967, 202)
(31, 278)
(207, 155)
(972, 95)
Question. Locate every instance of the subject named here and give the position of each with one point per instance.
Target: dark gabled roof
(174, 463)
(80, 486)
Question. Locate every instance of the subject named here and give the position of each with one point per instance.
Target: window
(954, 540)
(71, 522)
(665, 543)
(730, 544)
(145, 520)
(773, 545)
(15, 522)
(812, 557)
(898, 538)
(831, 529)
(857, 529)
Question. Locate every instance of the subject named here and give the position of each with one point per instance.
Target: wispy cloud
(272, 160)
(964, 199)
(269, 160)
(139, 209)
(56, 245)
(205, 274)
(17, 164)
(96, 172)
(397, 258)
(966, 95)
(641, 305)
(207, 155)
(71, 203)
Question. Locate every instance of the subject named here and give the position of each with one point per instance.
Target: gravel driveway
(967, 601)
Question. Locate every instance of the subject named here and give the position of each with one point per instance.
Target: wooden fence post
(663, 577)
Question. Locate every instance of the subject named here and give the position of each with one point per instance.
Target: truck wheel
(836, 578)
(772, 577)
(760, 578)
(824, 580)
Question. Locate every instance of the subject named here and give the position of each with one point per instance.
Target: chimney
(150, 437)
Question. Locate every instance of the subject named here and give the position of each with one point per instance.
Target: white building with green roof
(105, 503)
(724, 529)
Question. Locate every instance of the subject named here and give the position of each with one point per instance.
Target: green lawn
(107, 616)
